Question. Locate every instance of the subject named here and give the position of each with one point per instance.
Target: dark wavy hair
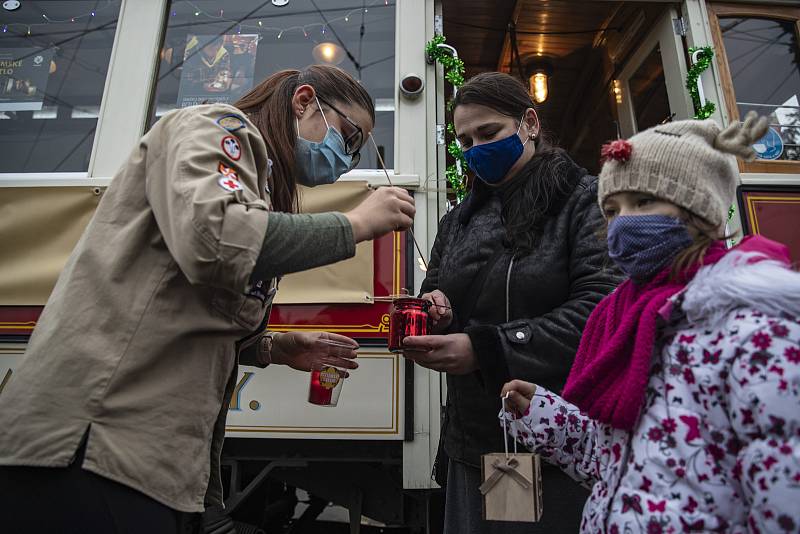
(532, 193)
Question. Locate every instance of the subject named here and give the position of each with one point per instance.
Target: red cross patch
(229, 184)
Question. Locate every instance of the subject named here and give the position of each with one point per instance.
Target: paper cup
(325, 385)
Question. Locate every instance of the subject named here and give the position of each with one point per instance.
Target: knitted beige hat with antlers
(689, 163)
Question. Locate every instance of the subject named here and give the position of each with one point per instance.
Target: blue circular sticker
(770, 146)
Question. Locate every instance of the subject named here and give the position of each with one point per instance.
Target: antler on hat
(738, 138)
(687, 163)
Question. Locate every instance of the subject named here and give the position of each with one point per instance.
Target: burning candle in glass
(409, 318)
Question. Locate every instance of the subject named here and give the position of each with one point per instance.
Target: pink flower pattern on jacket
(716, 447)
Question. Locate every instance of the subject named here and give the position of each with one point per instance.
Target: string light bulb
(617, 90)
(197, 13)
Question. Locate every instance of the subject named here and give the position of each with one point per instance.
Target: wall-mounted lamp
(330, 53)
(539, 71)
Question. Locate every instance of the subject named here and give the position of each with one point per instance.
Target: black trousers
(70, 500)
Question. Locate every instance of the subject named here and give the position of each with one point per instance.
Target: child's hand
(519, 394)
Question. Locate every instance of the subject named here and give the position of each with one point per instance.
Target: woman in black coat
(514, 273)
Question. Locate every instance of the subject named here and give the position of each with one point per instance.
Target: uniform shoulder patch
(231, 147)
(231, 122)
(229, 172)
(229, 184)
(228, 179)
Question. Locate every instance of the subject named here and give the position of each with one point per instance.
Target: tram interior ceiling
(581, 46)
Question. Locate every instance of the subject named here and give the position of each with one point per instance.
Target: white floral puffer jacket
(717, 446)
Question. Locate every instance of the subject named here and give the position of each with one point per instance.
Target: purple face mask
(642, 245)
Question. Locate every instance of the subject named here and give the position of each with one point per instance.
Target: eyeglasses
(354, 141)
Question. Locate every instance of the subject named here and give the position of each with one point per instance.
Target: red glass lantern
(409, 318)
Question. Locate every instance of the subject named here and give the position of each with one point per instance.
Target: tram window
(54, 59)
(216, 51)
(763, 58)
(649, 92)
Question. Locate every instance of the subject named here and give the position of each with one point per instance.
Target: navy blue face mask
(492, 161)
(642, 245)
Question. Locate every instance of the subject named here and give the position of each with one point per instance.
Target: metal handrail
(767, 105)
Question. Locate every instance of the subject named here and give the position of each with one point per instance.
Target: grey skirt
(563, 504)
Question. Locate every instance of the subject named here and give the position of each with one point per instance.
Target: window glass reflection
(216, 51)
(649, 92)
(53, 63)
(763, 58)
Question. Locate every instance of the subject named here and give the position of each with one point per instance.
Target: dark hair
(529, 195)
(269, 106)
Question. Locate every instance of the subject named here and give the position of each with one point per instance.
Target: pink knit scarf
(611, 369)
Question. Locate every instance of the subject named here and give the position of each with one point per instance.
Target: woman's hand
(301, 350)
(449, 354)
(440, 312)
(519, 394)
(387, 209)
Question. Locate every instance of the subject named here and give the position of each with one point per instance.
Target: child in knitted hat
(682, 409)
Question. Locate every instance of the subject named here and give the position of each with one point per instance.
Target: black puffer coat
(529, 315)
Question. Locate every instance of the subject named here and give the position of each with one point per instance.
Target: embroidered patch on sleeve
(231, 147)
(229, 184)
(231, 122)
(226, 171)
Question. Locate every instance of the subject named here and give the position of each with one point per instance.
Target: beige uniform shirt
(136, 346)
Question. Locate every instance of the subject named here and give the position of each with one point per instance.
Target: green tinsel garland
(453, 73)
(703, 63)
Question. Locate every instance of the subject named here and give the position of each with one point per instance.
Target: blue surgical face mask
(643, 245)
(321, 163)
(492, 161)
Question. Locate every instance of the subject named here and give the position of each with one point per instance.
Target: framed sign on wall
(774, 212)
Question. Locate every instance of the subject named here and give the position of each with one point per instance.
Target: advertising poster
(217, 68)
(23, 78)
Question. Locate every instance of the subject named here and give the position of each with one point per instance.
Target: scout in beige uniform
(133, 362)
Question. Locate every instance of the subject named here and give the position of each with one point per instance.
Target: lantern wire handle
(411, 232)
